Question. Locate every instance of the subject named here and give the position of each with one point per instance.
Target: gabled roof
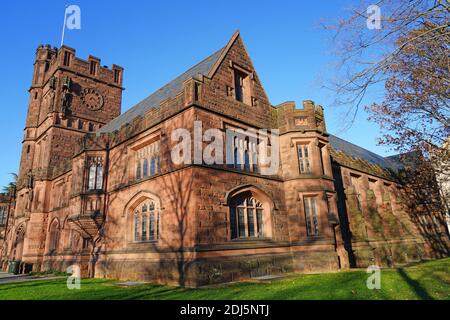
(207, 67)
(358, 152)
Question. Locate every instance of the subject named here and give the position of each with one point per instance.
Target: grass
(428, 280)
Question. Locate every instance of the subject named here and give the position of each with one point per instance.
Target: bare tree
(367, 54)
(415, 112)
(402, 48)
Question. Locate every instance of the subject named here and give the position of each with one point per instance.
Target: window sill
(94, 191)
(144, 242)
(251, 239)
(147, 177)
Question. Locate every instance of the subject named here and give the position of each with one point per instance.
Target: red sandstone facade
(100, 190)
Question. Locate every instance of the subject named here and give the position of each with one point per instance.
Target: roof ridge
(353, 144)
(357, 152)
(180, 75)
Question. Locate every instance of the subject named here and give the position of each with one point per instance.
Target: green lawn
(429, 280)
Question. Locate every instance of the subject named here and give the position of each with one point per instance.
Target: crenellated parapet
(189, 94)
(51, 59)
(309, 118)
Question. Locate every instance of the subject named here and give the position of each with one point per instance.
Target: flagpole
(64, 25)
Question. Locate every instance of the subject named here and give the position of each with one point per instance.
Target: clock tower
(69, 97)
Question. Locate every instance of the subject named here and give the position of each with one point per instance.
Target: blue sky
(156, 41)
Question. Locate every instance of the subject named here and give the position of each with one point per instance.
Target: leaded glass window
(303, 159)
(147, 161)
(312, 224)
(146, 222)
(246, 217)
(95, 173)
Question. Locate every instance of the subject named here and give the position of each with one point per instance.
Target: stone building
(101, 190)
(4, 210)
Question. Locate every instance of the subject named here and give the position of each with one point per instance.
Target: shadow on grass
(415, 286)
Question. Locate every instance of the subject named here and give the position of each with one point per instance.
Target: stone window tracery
(146, 222)
(245, 154)
(246, 217)
(148, 161)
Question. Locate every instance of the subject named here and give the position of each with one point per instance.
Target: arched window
(247, 217)
(54, 236)
(246, 161)
(138, 170)
(255, 162)
(137, 236)
(147, 158)
(18, 243)
(99, 178)
(146, 222)
(152, 167)
(236, 161)
(158, 164)
(92, 170)
(145, 168)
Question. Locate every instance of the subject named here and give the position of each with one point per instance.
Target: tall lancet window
(99, 177)
(54, 236)
(145, 167)
(95, 173)
(92, 174)
(312, 222)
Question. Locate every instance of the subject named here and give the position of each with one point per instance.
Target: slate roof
(358, 152)
(169, 90)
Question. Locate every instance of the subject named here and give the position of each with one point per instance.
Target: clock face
(92, 99)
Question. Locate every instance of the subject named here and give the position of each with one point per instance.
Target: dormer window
(239, 85)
